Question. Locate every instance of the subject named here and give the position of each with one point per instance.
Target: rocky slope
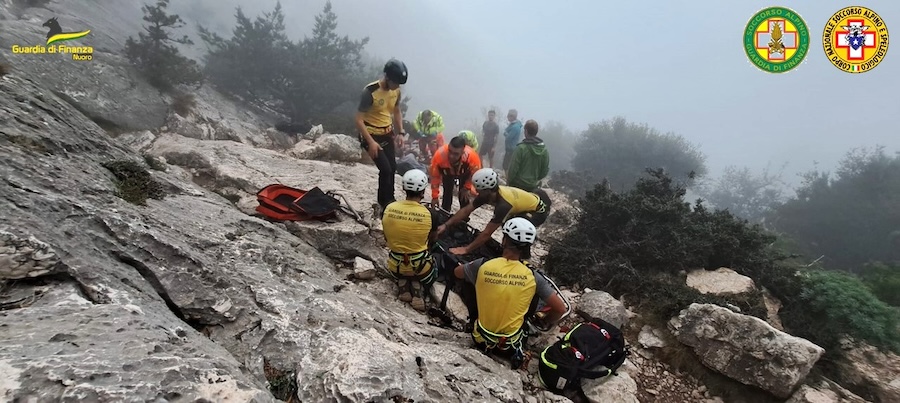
(189, 296)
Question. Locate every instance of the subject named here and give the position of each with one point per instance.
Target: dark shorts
(487, 145)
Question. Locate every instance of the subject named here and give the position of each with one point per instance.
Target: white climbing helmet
(415, 180)
(520, 230)
(484, 179)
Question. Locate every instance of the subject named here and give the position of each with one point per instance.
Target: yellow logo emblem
(56, 35)
(855, 39)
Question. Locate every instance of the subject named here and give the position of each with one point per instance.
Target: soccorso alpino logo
(855, 39)
(776, 39)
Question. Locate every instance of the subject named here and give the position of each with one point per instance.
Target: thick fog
(677, 67)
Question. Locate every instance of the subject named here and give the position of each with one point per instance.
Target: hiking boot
(404, 293)
(418, 298)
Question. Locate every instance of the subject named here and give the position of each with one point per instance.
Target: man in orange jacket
(452, 163)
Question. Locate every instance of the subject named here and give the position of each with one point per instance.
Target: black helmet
(395, 71)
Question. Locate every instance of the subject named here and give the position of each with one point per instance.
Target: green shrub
(305, 80)
(636, 242)
(133, 183)
(574, 184)
(884, 281)
(832, 304)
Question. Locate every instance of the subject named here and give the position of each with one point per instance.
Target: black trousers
(507, 157)
(386, 161)
(447, 199)
(468, 296)
(538, 217)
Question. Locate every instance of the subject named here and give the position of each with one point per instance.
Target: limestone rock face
(110, 352)
(23, 258)
(237, 170)
(194, 298)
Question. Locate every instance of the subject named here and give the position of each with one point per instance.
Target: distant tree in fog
(851, 217)
(250, 64)
(560, 142)
(307, 80)
(743, 193)
(622, 152)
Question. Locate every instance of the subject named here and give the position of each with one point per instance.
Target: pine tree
(329, 71)
(154, 52)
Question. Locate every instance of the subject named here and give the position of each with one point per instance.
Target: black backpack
(592, 349)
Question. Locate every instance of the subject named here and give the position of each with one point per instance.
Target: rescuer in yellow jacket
(380, 127)
(409, 228)
(505, 288)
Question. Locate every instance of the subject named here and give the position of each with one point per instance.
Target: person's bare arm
(459, 272)
(557, 309)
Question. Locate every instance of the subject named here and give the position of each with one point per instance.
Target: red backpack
(284, 203)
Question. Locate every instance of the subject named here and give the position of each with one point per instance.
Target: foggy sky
(678, 68)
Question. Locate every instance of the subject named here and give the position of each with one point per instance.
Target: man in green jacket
(530, 162)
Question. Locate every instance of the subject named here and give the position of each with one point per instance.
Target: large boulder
(330, 147)
(746, 348)
(209, 115)
(720, 281)
(601, 305)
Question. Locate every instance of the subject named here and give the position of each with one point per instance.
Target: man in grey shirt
(505, 288)
(489, 132)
